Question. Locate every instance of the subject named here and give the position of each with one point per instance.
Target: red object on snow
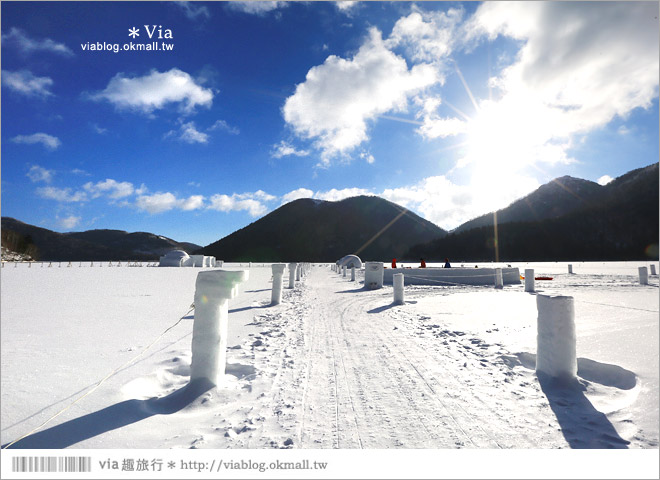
(394, 263)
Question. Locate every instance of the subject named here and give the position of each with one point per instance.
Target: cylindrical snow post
(529, 279)
(373, 275)
(278, 273)
(498, 278)
(653, 269)
(213, 289)
(297, 272)
(353, 273)
(556, 339)
(570, 268)
(343, 271)
(292, 274)
(397, 282)
(643, 276)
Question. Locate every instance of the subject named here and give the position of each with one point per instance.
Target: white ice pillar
(278, 273)
(643, 276)
(570, 268)
(373, 275)
(292, 274)
(556, 339)
(653, 269)
(397, 282)
(498, 278)
(353, 273)
(343, 271)
(213, 289)
(297, 272)
(529, 279)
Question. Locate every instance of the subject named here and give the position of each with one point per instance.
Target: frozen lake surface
(332, 366)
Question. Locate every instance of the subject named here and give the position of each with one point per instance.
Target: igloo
(350, 261)
(175, 258)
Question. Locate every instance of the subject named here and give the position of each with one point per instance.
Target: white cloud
(260, 7)
(190, 134)
(194, 202)
(260, 195)
(338, 98)
(28, 45)
(623, 130)
(236, 202)
(194, 11)
(40, 174)
(222, 125)
(48, 141)
(335, 195)
(369, 158)
(427, 36)
(163, 202)
(25, 83)
(346, 6)
(61, 194)
(99, 130)
(157, 203)
(574, 73)
(436, 126)
(69, 222)
(604, 180)
(297, 194)
(284, 149)
(155, 91)
(111, 188)
(448, 205)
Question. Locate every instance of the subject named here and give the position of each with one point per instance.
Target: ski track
(390, 381)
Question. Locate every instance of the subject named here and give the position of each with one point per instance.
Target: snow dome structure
(350, 261)
(176, 258)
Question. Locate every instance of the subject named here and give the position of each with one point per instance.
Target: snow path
(370, 381)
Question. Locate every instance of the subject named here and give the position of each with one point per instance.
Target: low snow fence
(450, 276)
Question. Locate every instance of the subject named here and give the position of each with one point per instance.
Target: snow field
(333, 366)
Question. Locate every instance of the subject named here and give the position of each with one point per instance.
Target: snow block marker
(292, 274)
(397, 282)
(499, 283)
(213, 289)
(278, 273)
(653, 270)
(556, 338)
(373, 275)
(529, 279)
(643, 276)
(353, 273)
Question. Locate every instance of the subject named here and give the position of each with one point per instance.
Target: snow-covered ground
(332, 366)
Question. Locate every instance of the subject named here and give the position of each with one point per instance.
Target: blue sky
(450, 109)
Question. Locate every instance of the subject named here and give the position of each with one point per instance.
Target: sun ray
(467, 88)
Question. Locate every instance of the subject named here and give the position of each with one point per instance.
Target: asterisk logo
(133, 32)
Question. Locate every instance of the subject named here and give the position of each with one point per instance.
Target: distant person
(447, 264)
(394, 263)
(422, 263)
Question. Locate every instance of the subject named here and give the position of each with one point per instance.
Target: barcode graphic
(51, 464)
